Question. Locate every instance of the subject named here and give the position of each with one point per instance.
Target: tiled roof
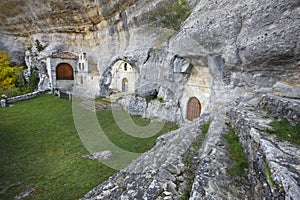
(65, 55)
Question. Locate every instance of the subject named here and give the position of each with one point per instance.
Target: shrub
(171, 14)
(39, 46)
(33, 80)
(160, 99)
(9, 75)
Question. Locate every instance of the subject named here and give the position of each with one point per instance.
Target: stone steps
(115, 97)
(102, 105)
(96, 105)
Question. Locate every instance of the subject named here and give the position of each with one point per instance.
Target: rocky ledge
(161, 173)
(176, 168)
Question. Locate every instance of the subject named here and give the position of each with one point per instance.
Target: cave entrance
(124, 85)
(193, 109)
(64, 71)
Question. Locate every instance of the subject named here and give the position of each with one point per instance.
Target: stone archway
(123, 77)
(64, 71)
(193, 109)
(124, 85)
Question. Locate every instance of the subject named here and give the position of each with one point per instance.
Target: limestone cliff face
(238, 48)
(65, 23)
(253, 36)
(25, 18)
(245, 34)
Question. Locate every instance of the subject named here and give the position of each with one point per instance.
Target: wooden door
(193, 108)
(124, 85)
(64, 71)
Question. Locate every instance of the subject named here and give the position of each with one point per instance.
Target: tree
(33, 80)
(9, 75)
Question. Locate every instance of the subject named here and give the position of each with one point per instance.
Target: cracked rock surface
(157, 174)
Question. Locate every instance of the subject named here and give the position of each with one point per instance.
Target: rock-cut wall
(225, 53)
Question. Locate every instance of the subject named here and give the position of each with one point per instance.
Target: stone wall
(166, 111)
(89, 87)
(119, 73)
(273, 163)
(279, 107)
(23, 97)
(198, 85)
(64, 85)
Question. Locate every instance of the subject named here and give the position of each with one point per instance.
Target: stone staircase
(94, 106)
(115, 97)
(104, 104)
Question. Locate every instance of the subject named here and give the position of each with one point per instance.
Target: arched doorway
(193, 109)
(64, 71)
(124, 85)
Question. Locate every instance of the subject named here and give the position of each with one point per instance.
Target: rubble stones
(103, 155)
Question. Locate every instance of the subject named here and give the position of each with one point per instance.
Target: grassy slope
(125, 141)
(40, 148)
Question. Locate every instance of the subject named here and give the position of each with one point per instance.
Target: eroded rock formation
(235, 57)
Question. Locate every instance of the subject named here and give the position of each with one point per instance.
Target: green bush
(39, 46)
(160, 99)
(33, 80)
(170, 14)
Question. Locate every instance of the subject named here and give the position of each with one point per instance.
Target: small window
(125, 67)
(79, 66)
(124, 85)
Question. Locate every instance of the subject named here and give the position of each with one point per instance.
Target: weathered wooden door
(64, 71)
(124, 85)
(193, 108)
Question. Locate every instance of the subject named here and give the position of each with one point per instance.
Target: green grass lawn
(40, 148)
(125, 141)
